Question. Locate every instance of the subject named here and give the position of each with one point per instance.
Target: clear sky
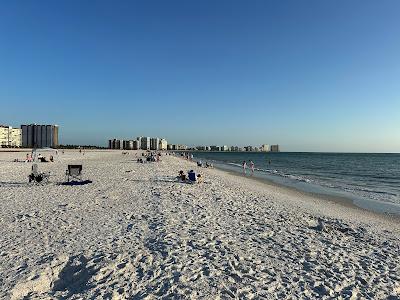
(308, 75)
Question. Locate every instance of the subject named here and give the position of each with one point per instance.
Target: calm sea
(371, 181)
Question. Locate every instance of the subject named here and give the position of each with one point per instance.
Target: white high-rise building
(163, 144)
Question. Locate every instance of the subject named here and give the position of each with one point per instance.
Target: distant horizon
(105, 144)
(310, 76)
(294, 151)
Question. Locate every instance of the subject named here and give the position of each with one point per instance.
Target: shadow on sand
(72, 183)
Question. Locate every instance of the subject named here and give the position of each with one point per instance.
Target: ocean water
(370, 181)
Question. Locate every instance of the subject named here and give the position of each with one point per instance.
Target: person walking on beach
(244, 165)
(251, 166)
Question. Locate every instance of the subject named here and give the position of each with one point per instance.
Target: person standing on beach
(251, 167)
(244, 165)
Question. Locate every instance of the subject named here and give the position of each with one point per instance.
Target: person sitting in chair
(37, 178)
(192, 176)
(182, 176)
(199, 178)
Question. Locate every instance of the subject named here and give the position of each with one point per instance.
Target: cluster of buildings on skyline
(46, 136)
(141, 142)
(262, 148)
(144, 143)
(151, 143)
(29, 136)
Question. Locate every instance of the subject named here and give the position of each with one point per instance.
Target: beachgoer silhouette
(251, 166)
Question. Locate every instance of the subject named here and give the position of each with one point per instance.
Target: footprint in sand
(66, 275)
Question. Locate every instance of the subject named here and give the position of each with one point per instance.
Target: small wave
(276, 172)
(235, 164)
(372, 191)
(299, 178)
(380, 186)
(290, 176)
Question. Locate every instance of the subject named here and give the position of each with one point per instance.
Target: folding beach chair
(39, 177)
(74, 172)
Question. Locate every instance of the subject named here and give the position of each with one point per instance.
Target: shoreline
(343, 201)
(389, 209)
(323, 199)
(347, 202)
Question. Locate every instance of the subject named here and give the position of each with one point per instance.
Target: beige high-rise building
(265, 148)
(10, 137)
(163, 144)
(4, 136)
(15, 137)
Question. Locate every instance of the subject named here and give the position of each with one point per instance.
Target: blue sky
(309, 75)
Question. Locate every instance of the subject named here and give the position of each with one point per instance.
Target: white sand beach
(136, 233)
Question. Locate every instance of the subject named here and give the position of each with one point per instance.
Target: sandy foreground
(136, 233)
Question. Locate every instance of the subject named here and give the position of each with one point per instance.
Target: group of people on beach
(150, 157)
(187, 156)
(251, 166)
(191, 177)
(206, 165)
(40, 157)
